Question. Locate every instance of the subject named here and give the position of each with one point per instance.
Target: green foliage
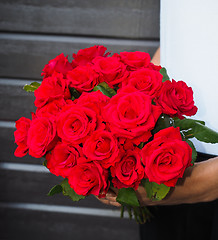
(141, 145)
(32, 87)
(68, 191)
(205, 134)
(65, 188)
(74, 93)
(163, 71)
(194, 152)
(56, 189)
(155, 192)
(195, 128)
(127, 196)
(105, 89)
(186, 123)
(140, 214)
(163, 122)
(45, 163)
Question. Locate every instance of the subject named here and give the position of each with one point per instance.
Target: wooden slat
(109, 213)
(123, 18)
(32, 187)
(24, 56)
(14, 101)
(34, 225)
(7, 148)
(32, 33)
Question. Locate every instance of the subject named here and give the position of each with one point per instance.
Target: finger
(111, 198)
(116, 204)
(105, 201)
(112, 201)
(111, 194)
(108, 202)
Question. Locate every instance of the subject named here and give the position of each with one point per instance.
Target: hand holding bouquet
(116, 121)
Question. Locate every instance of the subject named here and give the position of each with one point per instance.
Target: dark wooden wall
(31, 33)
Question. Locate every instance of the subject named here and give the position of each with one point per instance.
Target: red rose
(86, 55)
(54, 87)
(176, 99)
(102, 146)
(83, 78)
(128, 172)
(62, 158)
(75, 123)
(93, 100)
(22, 126)
(89, 178)
(51, 109)
(41, 136)
(111, 70)
(166, 157)
(131, 115)
(59, 64)
(154, 67)
(135, 60)
(147, 81)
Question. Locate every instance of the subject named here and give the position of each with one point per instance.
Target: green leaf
(141, 145)
(45, 163)
(155, 192)
(68, 191)
(56, 189)
(186, 123)
(32, 87)
(195, 128)
(74, 93)
(127, 196)
(205, 134)
(105, 89)
(164, 121)
(163, 71)
(194, 152)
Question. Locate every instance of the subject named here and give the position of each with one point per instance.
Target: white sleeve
(189, 51)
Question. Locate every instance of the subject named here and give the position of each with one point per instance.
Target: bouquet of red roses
(116, 121)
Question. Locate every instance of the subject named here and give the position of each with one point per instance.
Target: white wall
(189, 51)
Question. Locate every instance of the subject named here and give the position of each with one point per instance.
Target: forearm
(199, 184)
(156, 58)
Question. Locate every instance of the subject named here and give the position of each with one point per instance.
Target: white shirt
(189, 51)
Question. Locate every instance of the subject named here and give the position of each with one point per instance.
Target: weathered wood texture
(32, 33)
(25, 225)
(32, 187)
(15, 102)
(8, 147)
(24, 56)
(123, 18)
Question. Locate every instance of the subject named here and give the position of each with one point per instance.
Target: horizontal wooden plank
(32, 187)
(34, 225)
(123, 18)
(7, 124)
(24, 167)
(7, 148)
(24, 56)
(14, 101)
(109, 213)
